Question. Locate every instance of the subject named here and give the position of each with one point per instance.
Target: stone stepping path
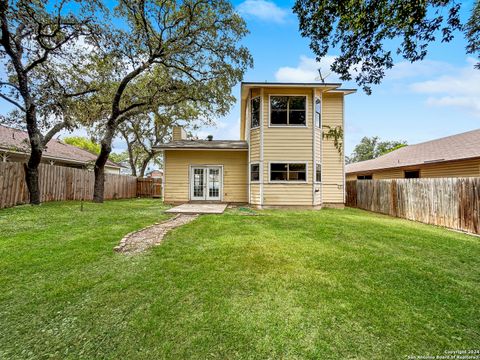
(141, 240)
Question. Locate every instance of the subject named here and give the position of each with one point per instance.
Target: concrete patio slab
(198, 209)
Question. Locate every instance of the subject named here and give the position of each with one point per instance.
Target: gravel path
(141, 240)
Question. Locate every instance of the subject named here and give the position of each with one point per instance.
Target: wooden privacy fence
(60, 183)
(449, 202)
(149, 187)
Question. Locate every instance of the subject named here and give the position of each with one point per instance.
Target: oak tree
(367, 34)
(161, 54)
(42, 72)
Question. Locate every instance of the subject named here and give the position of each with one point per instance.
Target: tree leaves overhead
(368, 33)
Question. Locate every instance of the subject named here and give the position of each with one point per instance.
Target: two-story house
(290, 152)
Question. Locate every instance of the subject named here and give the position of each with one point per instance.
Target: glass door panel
(198, 184)
(213, 184)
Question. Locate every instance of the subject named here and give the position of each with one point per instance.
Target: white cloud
(263, 10)
(459, 88)
(307, 70)
(425, 68)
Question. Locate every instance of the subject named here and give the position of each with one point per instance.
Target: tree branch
(12, 102)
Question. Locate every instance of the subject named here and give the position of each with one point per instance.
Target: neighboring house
(15, 147)
(451, 156)
(155, 174)
(280, 160)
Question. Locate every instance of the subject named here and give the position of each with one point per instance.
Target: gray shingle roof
(205, 144)
(16, 141)
(455, 147)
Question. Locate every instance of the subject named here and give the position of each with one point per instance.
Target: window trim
(259, 112)
(315, 112)
(270, 125)
(270, 181)
(259, 172)
(318, 164)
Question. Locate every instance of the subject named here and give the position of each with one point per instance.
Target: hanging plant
(335, 134)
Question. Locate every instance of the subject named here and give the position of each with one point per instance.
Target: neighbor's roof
(16, 141)
(205, 145)
(450, 148)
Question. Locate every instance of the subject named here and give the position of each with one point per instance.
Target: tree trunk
(36, 150)
(106, 148)
(144, 165)
(31, 175)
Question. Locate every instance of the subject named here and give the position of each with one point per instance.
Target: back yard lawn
(322, 285)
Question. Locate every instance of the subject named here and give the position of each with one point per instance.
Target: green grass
(330, 284)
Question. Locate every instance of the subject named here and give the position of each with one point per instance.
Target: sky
(416, 102)
(437, 97)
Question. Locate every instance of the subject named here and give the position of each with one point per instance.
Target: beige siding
(235, 172)
(388, 174)
(255, 194)
(464, 168)
(287, 144)
(255, 145)
(332, 159)
(287, 195)
(461, 168)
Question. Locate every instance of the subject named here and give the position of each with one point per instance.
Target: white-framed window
(288, 171)
(288, 110)
(318, 112)
(255, 172)
(255, 112)
(318, 172)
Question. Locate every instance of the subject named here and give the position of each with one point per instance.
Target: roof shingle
(14, 140)
(454, 147)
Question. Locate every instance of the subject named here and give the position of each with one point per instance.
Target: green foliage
(372, 147)
(83, 143)
(329, 284)
(118, 157)
(365, 31)
(335, 134)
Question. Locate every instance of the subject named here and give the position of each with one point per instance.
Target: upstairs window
(288, 110)
(255, 112)
(255, 172)
(318, 112)
(288, 172)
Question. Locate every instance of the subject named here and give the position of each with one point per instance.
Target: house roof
(205, 145)
(16, 141)
(450, 148)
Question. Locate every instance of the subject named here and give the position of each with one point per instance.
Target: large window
(318, 112)
(288, 110)
(288, 172)
(255, 112)
(318, 173)
(255, 172)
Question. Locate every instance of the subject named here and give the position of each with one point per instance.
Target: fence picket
(449, 202)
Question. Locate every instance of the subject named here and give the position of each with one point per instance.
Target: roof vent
(210, 137)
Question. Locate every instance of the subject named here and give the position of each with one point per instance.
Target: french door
(206, 183)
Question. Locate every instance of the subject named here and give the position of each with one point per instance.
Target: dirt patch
(141, 240)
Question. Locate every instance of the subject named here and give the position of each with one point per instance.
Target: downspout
(248, 130)
(163, 176)
(314, 130)
(343, 146)
(261, 147)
